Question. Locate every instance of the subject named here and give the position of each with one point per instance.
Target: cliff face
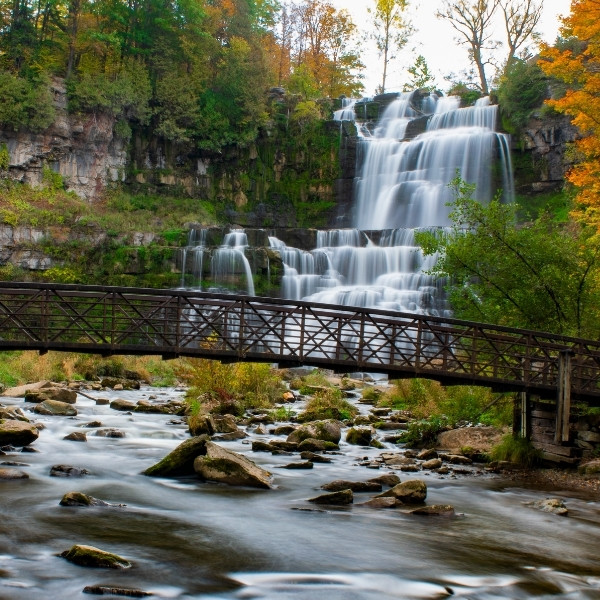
(81, 148)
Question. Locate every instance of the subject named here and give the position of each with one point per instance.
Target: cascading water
(194, 253)
(230, 260)
(402, 186)
(346, 113)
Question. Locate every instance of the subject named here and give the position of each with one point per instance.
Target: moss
(88, 556)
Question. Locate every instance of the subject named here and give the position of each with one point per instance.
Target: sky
(434, 39)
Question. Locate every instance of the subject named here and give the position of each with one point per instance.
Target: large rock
(340, 497)
(12, 413)
(56, 408)
(413, 491)
(327, 431)
(7, 474)
(17, 433)
(551, 505)
(359, 436)
(20, 390)
(81, 499)
(225, 466)
(89, 556)
(355, 486)
(124, 405)
(481, 439)
(180, 461)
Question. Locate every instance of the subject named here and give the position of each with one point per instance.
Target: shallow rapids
(188, 539)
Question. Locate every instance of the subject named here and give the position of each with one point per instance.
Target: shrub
(423, 433)
(328, 404)
(517, 450)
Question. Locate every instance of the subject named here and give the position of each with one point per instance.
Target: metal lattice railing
(111, 320)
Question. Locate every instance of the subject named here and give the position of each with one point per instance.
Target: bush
(328, 404)
(423, 433)
(25, 103)
(517, 450)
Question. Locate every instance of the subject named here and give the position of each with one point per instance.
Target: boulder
(76, 436)
(109, 432)
(61, 394)
(434, 510)
(359, 436)
(120, 383)
(314, 458)
(225, 424)
(101, 590)
(434, 463)
(427, 454)
(88, 556)
(17, 433)
(224, 466)
(481, 439)
(67, 471)
(160, 408)
(340, 497)
(389, 479)
(180, 461)
(21, 390)
(260, 446)
(355, 486)
(284, 430)
(12, 413)
(590, 468)
(551, 505)
(313, 445)
(285, 446)
(458, 459)
(386, 502)
(55, 408)
(7, 474)
(201, 425)
(299, 465)
(80, 499)
(121, 404)
(327, 431)
(413, 491)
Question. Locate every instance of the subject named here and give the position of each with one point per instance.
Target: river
(188, 539)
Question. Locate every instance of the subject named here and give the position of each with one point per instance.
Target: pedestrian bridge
(172, 323)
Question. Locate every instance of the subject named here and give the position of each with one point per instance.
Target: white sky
(434, 39)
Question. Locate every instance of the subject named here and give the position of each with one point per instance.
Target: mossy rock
(89, 556)
(359, 436)
(413, 491)
(181, 460)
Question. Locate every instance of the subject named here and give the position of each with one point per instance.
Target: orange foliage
(579, 68)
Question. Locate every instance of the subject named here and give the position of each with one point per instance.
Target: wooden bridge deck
(112, 320)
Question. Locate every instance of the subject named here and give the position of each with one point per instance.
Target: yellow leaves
(578, 66)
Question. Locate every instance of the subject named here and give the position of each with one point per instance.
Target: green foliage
(468, 95)
(327, 404)
(4, 157)
(25, 103)
(522, 89)
(303, 83)
(52, 180)
(516, 450)
(538, 276)
(421, 77)
(423, 433)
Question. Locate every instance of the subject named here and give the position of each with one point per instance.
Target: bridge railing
(112, 320)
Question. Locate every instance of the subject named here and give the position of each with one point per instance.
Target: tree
(537, 276)
(421, 77)
(520, 20)
(391, 31)
(576, 64)
(472, 20)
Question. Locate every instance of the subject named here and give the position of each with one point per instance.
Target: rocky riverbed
(330, 518)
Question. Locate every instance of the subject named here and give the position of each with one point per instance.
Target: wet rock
(101, 590)
(222, 465)
(92, 424)
(481, 439)
(224, 423)
(8, 474)
(590, 468)
(427, 454)
(116, 382)
(17, 433)
(260, 446)
(410, 468)
(458, 459)
(434, 510)
(341, 497)
(102, 401)
(359, 436)
(355, 486)
(393, 459)
(314, 445)
(89, 556)
(109, 432)
(283, 445)
(76, 436)
(55, 408)
(80, 499)
(230, 437)
(362, 420)
(299, 465)
(61, 394)
(413, 491)
(389, 479)
(260, 430)
(180, 461)
(288, 397)
(434, 463)
(12, 413)
(67, 471)
(201, 424)
(550, 505)
(21, 390)
(327, 431)
(162, 408)
(284, 430)
(386, 502)
(121, 404)
(313, 457)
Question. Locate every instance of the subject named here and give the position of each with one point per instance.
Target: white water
(190, 540)
(402, 185)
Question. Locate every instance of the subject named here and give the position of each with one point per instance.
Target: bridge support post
(522, 420)
(563, 401)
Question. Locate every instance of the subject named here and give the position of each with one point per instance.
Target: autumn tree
(391, 31)
(577, 64)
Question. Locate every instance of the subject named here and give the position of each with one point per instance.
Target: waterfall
(194, 253)
(229, 260)
(346, 113)
(402, 186)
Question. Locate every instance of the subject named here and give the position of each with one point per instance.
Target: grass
(516, 450)
(328, 404)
